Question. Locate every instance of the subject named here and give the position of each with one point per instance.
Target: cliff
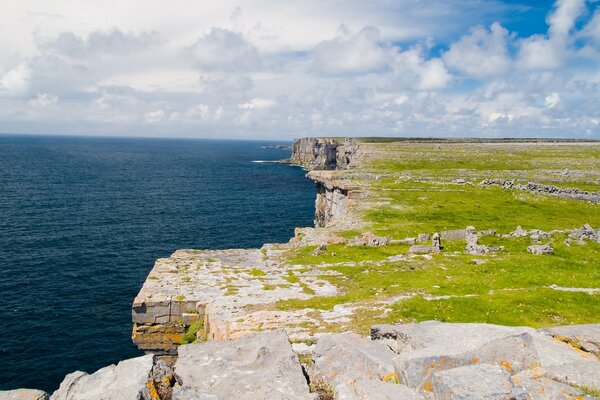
(324, 153)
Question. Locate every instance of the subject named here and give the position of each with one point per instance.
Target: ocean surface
(82, 221)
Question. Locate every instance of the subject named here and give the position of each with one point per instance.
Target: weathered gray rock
(315, 153)
(404, 241)
(423, 237)
(582, 373)
(431, 346)
(23, 394)
(320, 250)
(519, 232)
(455, 234)
(473, 247)
(345, 356)
(124, 381)
(585, 336)
(372, 389)
(259, 366)
(540, 387)
(163, 378)
(421, 249)
(474, 382)
(540, 249)
(357, 367)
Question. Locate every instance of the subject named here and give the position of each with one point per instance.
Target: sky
(267, 69)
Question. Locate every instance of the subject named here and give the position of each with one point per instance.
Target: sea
(82, 220)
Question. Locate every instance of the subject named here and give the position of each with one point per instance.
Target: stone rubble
(540, 249)
(536, 188)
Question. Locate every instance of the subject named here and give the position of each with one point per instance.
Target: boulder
(259, 366)
(429, 347)
(358, 368)
(125, 381)
(320, 250)
(540, 249)
(475, 382)
(23, 394)
(519, 232)
(539, 387)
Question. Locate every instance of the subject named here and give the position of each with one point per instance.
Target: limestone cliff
(317, 154)
(324, 153)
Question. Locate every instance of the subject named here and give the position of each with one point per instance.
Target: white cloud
(100, 43)
(592, 29)
(550, 51)
(155, 116)
(352, 53)
(433, 75)
(481, 53)
(16, 82)
(224, 50)
(258, 104)
(562, 20)
(552, 100)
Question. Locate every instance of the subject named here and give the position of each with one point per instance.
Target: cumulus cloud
(552, 100)
(155, 116)
(100, 43)
(481, 53)
(224, 50)
(258, 104)
(592, 29)
(550, 50)
(352, 53)
(433, 75)
(16, 82)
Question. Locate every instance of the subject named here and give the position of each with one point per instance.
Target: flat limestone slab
(124, 381)
(23, 394)
(230, 290)
(255, 367)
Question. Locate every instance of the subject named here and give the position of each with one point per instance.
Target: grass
(424, 207)
(195, 330)
(257, 272)
(415, 194)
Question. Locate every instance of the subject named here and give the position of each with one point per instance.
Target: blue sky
(277, 70)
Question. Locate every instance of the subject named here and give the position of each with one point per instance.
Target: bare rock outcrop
(260, 366)
(127, 380)
(23, 394)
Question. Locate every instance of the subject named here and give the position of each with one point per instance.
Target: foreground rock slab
(23, 394)
(260, 366)
(358, 369)
(127, 380)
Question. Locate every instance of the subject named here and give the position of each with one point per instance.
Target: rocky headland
(325, 316)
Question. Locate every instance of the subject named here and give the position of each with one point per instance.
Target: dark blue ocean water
(83, 219)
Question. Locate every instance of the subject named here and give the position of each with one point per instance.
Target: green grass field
(415, 194)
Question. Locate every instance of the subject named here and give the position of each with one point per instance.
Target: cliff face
(331, 203)
(323, 153)
(317, 154)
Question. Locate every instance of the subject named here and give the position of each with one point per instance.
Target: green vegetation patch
(195, 331)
